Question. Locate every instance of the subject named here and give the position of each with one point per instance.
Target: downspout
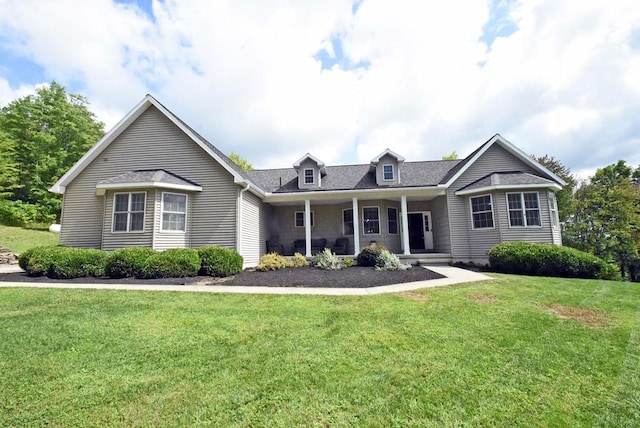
(239, 218)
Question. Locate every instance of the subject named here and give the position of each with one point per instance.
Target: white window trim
(364, 219)
(352, 225)
(313, 176)
(393, 173)
(113, 213)
(523, 210)
(295, 219)
(162, 212)
(389, 220)
(493, 213)
(553, 210)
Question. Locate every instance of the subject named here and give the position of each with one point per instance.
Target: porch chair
(274, 246)
(341, 246)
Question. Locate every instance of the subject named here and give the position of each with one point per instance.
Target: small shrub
(38, 261)
(172, 263)
(327, 260)
(127, 262)
(531, 258)
(388, 261)
(348, 262)
(369, 255)
(297, 261)
(219, 261)
(78, 263)
(271, 261)
(22, 214)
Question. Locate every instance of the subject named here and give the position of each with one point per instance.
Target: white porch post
(405, 225)
(356, 227)
(307, 226)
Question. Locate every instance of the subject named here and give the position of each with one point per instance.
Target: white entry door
(428, 232)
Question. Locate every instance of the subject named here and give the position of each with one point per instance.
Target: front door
(420, 231)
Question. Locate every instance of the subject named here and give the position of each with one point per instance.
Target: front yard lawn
(515, 351)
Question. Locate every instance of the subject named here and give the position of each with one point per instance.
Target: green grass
(481, 354)
(18, 239)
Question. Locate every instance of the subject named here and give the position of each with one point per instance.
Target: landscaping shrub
(271, 261)
(530, 258)
(369, 255)
(172, 263)
(38, 261)
(127, 262)
(388, 261)
(219, 261)
(297, 261)
(78, 263)
(21, 214)
(325, 259)
(348, 261)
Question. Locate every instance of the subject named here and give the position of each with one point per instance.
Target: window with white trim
(482, 212)
(128, 212)
(300, 218)
(308, 176)
(387, 172)
(553, 210)
(524, 209)
(347, 222)
(392, 220)
(174, 212)
(371, 220)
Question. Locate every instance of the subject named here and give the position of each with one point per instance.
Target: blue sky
(346, 79)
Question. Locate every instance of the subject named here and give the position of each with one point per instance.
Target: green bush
(22, 214)
(348, 261)
(369, 255)
(325, 259)
(38, 261)
(219, 261)
(388, 261)
(531, 258)
(297, 261)
(271, 261)
(127, 262)
(78, 263)
(172, 263)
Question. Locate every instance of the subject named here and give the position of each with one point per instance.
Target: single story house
(153, 181)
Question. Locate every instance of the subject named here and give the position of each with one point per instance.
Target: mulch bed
(353, 277)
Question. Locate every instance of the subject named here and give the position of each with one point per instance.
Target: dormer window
(387, 172)
(308, 176)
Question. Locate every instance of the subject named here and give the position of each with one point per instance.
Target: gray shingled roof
(148, 176)
(347, 177)
(516, 178)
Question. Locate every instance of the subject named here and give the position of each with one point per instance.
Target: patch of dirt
(353, 277)
(483, 298)
(414, 296)
(592, 318)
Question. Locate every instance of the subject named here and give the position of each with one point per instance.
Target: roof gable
(148, 101)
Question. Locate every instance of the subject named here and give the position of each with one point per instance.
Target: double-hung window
(387, 172)
(371, 220)
(128, 212)
(308, 176)
(174, 212)
(347, 222)
(482, 212)
(299, 221)
(553, 210)
(392, 219)
(524, 209)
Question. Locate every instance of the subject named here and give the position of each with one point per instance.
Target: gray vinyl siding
(253, 229)
(112, 241)
(474, 244)
(387, 160)
(439, 221)
(317, 180)
(153, 142)
(165, 240)
(531, 234)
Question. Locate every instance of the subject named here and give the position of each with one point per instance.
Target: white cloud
(419, 79)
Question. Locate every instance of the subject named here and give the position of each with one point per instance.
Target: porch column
(405, 225)
(307, 226)
(356, 227)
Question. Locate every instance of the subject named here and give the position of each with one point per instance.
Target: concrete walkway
(453, 275)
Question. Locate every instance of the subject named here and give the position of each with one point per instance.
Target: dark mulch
(353, 277)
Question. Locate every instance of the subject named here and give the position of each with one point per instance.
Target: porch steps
(426, 258)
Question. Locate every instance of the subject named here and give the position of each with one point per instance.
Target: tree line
(44, 134)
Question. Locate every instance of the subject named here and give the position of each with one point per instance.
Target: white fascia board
(150, 184)
(486, 189)
(387, 152)
(365, 193)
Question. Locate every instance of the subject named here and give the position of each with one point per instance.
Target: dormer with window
(387, 166)
(310, 172)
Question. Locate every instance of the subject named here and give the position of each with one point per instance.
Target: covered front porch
(407, 222)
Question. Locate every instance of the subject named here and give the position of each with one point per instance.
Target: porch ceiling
(337, 197)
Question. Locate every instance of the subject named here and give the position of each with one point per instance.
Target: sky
(346, 79)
